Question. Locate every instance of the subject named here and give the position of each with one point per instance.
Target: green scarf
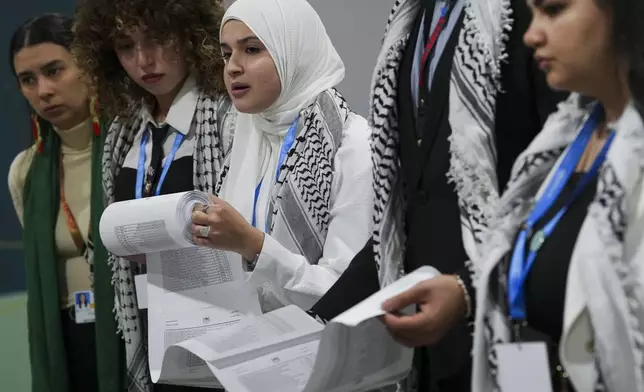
(41, 204)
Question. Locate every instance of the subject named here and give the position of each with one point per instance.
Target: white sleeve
(300, 282)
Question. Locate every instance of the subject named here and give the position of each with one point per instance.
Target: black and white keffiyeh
(213, 117)
(297, 210)
(475, 81)
(610, 253)
(300, 202)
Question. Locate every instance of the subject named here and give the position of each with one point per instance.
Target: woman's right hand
(139, 259)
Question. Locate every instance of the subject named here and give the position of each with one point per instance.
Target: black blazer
(432, 218)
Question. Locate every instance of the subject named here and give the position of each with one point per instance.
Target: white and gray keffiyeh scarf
(612, 261)
(475, 81)
(212, 117)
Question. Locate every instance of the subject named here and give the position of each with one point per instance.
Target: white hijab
(307, 64)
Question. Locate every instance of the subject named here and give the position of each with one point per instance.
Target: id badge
(84, 307)
(523, 367)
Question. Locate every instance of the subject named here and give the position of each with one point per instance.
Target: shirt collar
(182, 109)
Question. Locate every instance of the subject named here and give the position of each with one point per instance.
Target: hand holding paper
(287, 351)
(152, 224)
(441, 304)
(227, 229)
(190, 290)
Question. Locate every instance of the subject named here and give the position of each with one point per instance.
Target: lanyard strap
(520, 265)
(140, 171)
(289, 139)
(72, 225)
(442, 21)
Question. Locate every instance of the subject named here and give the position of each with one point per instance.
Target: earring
(93, 110)
(35, 129)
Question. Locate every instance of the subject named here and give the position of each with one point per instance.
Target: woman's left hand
(228, 230)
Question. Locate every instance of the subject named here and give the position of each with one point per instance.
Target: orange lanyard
(72, 225)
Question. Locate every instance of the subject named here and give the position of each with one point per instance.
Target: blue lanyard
(289, 139)
(140, 171)
(520, 265)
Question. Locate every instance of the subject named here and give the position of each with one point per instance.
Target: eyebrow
(50, 64)
(240, 41)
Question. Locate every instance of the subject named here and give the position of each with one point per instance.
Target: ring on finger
(204, 231)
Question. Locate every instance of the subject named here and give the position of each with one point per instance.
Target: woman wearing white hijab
(297, 187)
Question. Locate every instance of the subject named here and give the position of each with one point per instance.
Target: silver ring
(204, 231)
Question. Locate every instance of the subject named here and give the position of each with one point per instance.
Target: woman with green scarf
(56, 189)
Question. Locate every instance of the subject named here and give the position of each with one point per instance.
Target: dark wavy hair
(192, 24)
(46, 28)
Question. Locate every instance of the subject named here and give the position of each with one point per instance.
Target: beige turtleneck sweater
(76, 145)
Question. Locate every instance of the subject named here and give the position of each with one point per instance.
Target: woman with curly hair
(157, 68)
(56, 187)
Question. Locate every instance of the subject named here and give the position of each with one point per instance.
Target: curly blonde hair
(192, 24)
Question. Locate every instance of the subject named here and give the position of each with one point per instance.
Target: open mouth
(239, 89)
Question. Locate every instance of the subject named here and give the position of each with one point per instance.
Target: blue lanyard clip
(287, 144)
(141, 172)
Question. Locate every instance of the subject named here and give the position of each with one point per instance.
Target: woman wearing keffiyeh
(562, 266)
(455, 97)
(296, 199)
(157, 67)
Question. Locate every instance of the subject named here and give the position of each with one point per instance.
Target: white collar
(182, 109)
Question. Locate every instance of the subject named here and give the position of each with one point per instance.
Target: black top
(432, 219)
(545, 287)
(521, 110)
(178, 179)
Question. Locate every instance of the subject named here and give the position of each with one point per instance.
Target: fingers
(410, 331)
(415, 295)
(215, 200)
(199, 207)
(201, 241)
(199, 218)
(406, 325)
(207, 214)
